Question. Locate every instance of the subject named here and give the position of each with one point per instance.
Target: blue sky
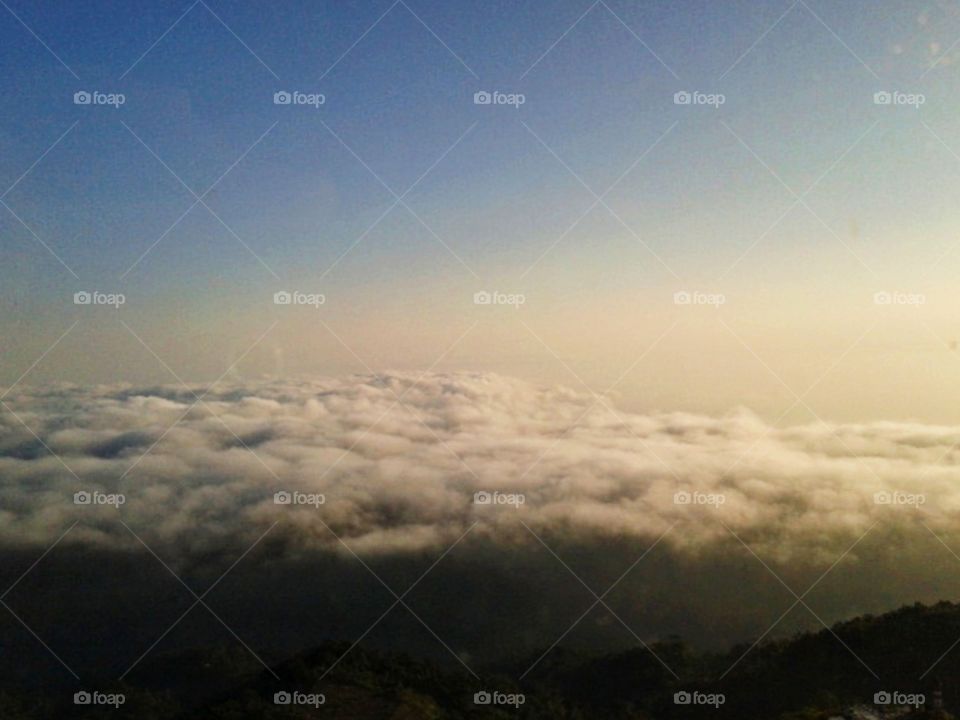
(706, 196)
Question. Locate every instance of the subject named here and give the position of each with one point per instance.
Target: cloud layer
(398, 459)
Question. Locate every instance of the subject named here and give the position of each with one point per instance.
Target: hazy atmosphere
(459, 360)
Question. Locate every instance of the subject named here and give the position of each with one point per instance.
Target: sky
(592, 255)
(790, 206)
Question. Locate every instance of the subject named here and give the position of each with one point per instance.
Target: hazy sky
(797, 199)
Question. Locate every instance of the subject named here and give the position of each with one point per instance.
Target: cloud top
(397, 460)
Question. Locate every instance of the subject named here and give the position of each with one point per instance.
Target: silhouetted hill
(813, 676)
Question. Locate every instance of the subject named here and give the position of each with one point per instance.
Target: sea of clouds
(397, 460)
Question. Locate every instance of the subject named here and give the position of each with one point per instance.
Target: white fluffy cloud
(400, 476)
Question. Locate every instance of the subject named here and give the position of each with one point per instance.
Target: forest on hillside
(812, 676)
